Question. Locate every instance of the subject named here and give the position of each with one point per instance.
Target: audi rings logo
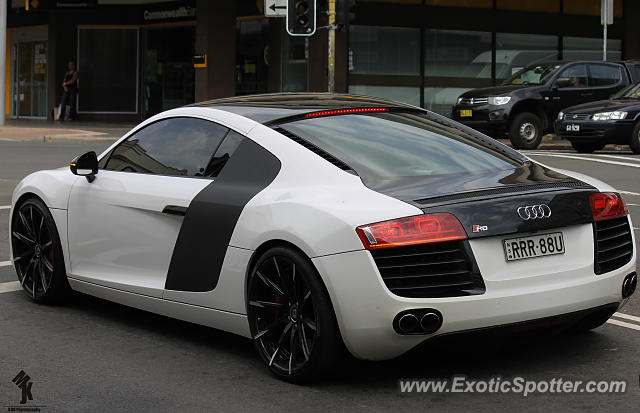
(530, 212)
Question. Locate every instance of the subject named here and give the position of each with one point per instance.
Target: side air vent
(503, 190)
(313, 148)
(613, 244)
(445, 269)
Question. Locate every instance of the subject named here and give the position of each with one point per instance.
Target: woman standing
(70, 86)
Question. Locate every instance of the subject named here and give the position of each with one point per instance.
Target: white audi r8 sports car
(311, 222)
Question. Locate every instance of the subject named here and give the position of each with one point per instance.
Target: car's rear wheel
(525, 131)
(634, 143)
(37, 253)
(291, 318)
(587, 147)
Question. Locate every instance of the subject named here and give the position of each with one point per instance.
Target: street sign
(275, 8)
(606, 12)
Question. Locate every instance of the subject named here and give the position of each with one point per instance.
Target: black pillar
(216, 36)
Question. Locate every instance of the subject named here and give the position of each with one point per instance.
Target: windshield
(629, 92)
(532, 75)
(394, 145)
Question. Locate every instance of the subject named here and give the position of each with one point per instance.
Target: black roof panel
(269, 107)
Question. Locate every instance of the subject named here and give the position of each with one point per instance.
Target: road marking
(5, 263)
(628, 158)
(10, 286)
(623, 324)
(629, 193)
(5, 206)
(627, 316)
(581, 158)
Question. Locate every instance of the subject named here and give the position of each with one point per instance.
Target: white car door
(123, 226)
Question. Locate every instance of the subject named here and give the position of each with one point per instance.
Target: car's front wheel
(525, 131)
(37, 253)
(291, 317)
(635, 139)
(587, 147)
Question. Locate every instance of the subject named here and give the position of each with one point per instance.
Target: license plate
(573, 128)
(466, 113)
(533, 246)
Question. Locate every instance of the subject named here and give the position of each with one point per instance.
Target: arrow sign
(275, 8)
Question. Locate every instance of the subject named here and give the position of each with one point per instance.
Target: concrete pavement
(55, 131)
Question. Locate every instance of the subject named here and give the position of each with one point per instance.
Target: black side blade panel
(211, 218)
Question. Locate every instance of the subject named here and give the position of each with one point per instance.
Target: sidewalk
(78, 131)
(50, 131)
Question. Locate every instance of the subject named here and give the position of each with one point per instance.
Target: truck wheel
(635, 139)
(587, 147)
(526, 131)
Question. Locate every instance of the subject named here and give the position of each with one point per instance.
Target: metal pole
(331, 48)
(604, 30)
(3, 57)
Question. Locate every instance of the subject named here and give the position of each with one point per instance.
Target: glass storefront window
(252, 68)
(108, 68)
(442, 99)
(454, 53)
(452, 58)
(294, 64)
(410, 95)
(385, 50)
(583, 48)
(515, 51)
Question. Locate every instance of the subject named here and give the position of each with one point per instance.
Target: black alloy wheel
(37, 252)
(290, 316)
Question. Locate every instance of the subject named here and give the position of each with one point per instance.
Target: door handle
(586, 94)
(175, 210)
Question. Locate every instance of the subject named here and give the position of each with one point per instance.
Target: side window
(223, 153)
(577, 75)
(604, 75)
(175, 146)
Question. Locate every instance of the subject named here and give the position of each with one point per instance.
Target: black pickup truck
(526, 105)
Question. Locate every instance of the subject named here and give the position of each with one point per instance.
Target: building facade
(136, 57)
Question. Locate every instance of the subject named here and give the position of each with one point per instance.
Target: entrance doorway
(168, 75)
(29, 79)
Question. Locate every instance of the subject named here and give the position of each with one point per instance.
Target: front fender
(52, 186)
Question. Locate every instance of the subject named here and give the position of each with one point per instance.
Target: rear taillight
(421, 229)
(607, 205)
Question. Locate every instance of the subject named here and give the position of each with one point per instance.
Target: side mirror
(85, 165)
(562, 82)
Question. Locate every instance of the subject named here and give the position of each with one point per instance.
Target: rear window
(393, 145)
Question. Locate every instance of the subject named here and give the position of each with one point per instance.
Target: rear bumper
(545, 287)
(591, 131)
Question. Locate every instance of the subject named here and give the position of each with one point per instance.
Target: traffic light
(301, 17)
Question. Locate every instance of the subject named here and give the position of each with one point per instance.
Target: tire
(587, 147)
(525, 131)
(37, 253)
(634, 143)
(291, 318)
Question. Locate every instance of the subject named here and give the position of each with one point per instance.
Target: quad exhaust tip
(629, 285)
(418, 321)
